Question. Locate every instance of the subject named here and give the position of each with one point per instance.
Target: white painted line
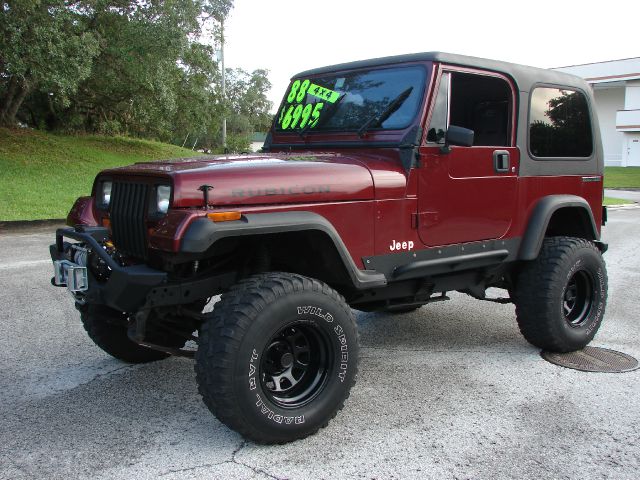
(23, 264)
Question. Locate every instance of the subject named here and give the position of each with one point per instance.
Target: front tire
(108, 330)
(561, 296)
(277, 357)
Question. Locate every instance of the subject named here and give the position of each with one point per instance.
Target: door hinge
(414, 220)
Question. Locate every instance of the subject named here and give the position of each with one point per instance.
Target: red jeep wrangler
(383, 185)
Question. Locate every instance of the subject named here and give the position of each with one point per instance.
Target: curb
(628, 206)
(21, 225)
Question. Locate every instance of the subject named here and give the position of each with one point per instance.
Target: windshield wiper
(326, 115)
(395, 104)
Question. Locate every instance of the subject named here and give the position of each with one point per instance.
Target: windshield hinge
(409, 154)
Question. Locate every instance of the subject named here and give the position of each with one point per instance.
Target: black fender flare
(539, 221)
(202, 233)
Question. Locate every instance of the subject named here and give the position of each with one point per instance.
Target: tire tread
(538, 284)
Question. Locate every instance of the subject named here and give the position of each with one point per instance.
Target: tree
(247, 97)
(132, 85)
(43, 47)
(198, 106)
(137, 67)
(153, 76)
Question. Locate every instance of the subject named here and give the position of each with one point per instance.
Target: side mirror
(455, 135)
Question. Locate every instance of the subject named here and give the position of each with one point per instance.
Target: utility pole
(224, 91)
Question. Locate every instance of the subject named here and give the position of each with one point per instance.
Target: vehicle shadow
(462, 324)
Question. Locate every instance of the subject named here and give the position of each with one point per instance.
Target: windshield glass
(340, 101)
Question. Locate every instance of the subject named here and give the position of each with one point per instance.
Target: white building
(616, 86)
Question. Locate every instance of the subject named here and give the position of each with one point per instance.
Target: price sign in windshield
(297, 113)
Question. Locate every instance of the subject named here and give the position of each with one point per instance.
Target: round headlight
(163, 195)
(104, 194)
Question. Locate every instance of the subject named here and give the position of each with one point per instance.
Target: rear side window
(559, 124)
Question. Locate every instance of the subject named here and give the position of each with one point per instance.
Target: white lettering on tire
(264, 409)
(252, 370)
(338, 330)
(317, 311)
(599, 312)
(271, 415)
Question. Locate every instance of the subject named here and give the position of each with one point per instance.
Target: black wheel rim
(295, 365)
(578, 298)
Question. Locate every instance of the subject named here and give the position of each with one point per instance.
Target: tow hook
(70, 275)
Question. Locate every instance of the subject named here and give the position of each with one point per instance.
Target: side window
(559, 124)
(482, 103)
(440, 116)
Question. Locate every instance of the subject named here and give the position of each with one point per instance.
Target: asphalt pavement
(451, 391)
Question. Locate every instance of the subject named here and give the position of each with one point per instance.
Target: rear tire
(561, 296)
(108, 330)
(277, 357)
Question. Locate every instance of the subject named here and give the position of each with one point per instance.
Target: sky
(289, 36)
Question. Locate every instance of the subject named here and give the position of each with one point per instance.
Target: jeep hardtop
(383, 184)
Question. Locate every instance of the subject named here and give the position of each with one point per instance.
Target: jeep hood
(260, 179)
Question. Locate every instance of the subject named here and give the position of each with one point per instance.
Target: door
(633, 150)
(468, 194)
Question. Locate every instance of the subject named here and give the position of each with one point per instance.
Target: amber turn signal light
(224, 216)
(106, 223)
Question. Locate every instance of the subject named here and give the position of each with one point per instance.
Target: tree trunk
(23, 91)
(7, 101)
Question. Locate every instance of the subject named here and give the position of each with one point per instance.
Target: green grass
(42, 174)
(622, 177)
(608, 201)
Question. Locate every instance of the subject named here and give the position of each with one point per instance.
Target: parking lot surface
(451, 391)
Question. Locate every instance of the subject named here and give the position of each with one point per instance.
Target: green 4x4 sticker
(324, 93)
(296, 113)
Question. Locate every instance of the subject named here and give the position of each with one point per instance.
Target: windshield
(340, 101)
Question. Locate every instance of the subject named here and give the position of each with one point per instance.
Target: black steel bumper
(127, 287)
(130, 288)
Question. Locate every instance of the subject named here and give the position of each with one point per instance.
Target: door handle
(501, 162)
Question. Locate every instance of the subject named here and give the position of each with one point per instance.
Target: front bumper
(126, 289)
(131, 288)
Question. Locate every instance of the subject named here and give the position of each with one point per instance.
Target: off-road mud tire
(108, 330)
(235, 358)
(561, 296)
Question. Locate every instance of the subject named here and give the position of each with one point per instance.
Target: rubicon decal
(293, 190)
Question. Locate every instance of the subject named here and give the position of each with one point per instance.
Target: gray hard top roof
(523, 75)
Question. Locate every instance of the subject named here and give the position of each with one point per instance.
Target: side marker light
(224, 216)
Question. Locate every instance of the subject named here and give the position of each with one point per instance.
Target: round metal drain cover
(593, 359)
